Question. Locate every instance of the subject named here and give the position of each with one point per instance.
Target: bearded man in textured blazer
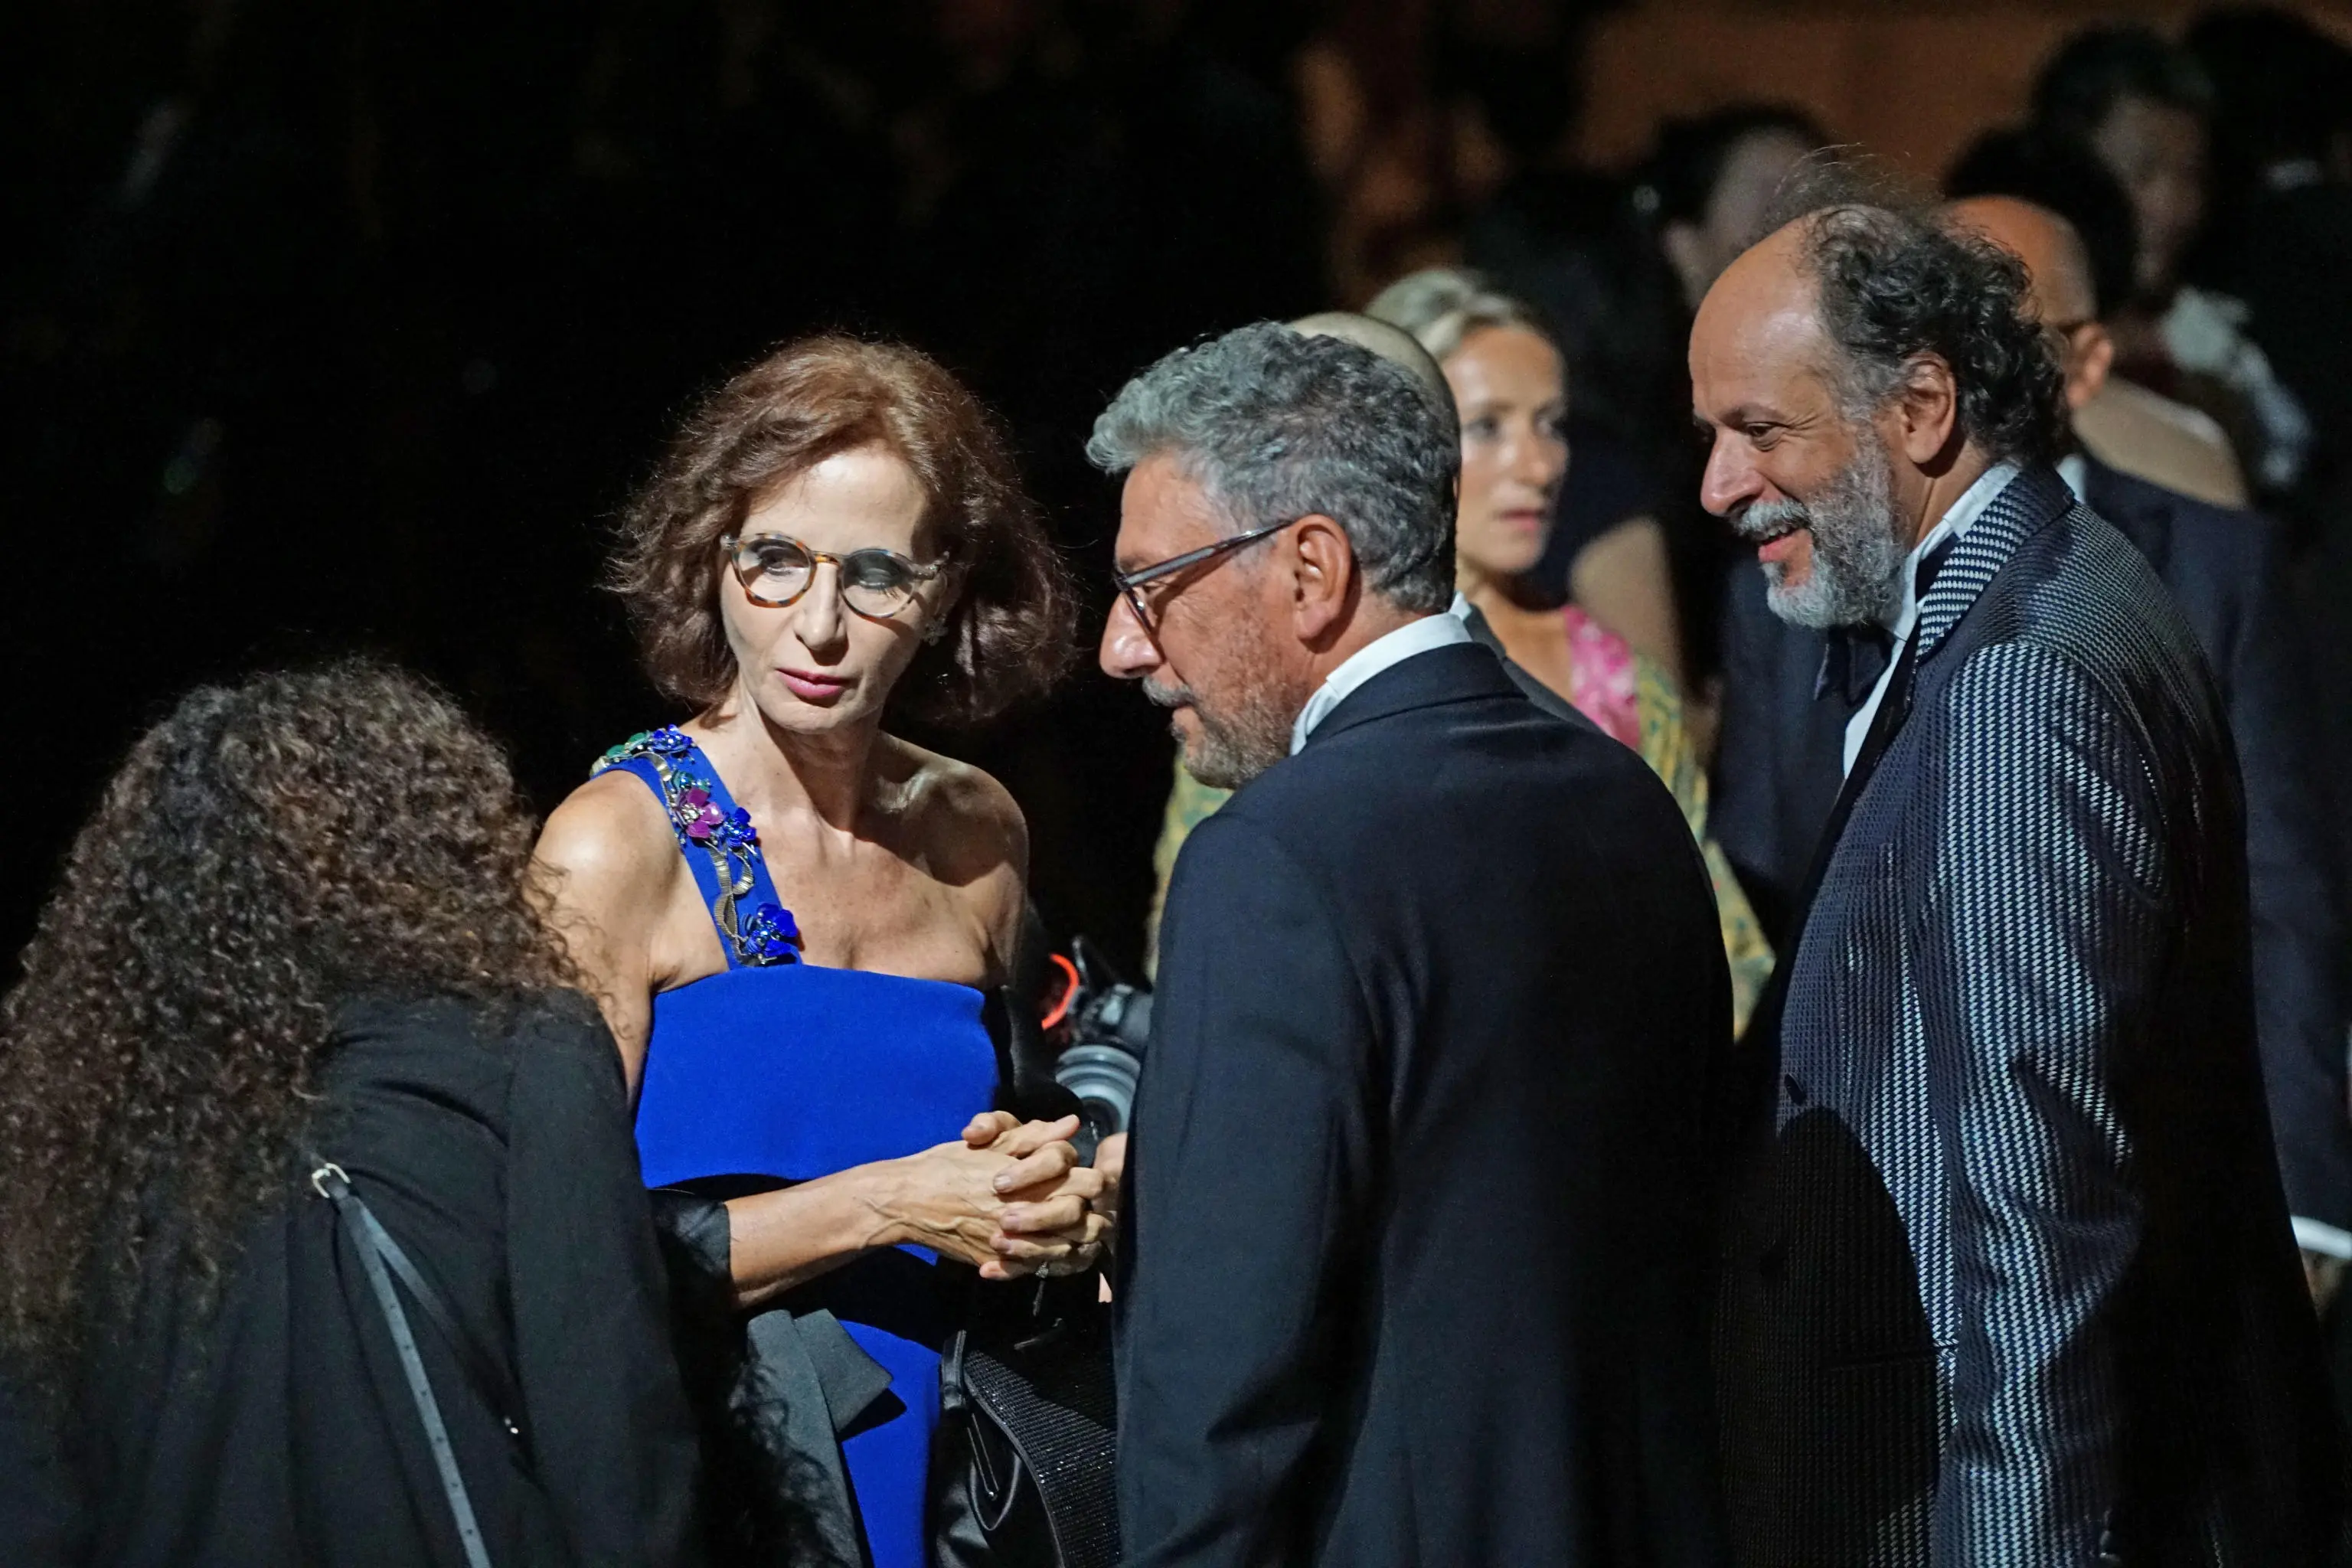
(1779, 755)
(2009, 1277)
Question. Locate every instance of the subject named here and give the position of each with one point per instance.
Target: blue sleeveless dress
(777, 1071)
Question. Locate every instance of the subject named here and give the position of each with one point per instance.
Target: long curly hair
(266, 852)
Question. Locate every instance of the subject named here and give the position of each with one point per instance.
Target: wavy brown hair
(267, 851)
(1008, 634)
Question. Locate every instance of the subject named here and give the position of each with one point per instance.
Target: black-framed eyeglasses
(1130, 584)
(776, 569)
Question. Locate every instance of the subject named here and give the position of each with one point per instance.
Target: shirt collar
(2075, 469)
(1956, 520)
(1426, 634)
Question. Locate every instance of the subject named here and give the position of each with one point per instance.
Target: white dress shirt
(2076, 471)
(1953, 524)
(1425, 635)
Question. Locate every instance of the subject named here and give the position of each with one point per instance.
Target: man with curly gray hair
(1416, 1223)
(2009, 1277)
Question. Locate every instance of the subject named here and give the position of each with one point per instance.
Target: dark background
(351, 325)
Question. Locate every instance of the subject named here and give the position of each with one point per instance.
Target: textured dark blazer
(1776, 776)
(2011, 1279)
(1418, 1235)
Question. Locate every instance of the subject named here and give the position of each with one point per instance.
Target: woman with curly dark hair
(294, 978)
(838, 532)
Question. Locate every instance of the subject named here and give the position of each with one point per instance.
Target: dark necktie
(1854, 658)
(1852, 661)
(1893, 708)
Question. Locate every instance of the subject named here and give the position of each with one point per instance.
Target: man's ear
(1927, 411)
(1322, 579)
(2090, 354)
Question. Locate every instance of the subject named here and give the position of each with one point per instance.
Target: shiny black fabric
(279, 1430)
(2011, 1279)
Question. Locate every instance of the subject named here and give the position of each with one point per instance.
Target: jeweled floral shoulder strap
(721, 845)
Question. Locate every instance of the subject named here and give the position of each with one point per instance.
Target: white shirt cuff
(2328, 1241)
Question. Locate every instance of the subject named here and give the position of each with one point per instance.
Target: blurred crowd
(397, 330)
(353, 326)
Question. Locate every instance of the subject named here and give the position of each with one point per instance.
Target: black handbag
(1024, 1475)
(1024, 1466)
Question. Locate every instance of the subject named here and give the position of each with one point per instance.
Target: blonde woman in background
(1508, 384)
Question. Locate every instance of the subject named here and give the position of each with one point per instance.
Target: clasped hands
(1012, 1200)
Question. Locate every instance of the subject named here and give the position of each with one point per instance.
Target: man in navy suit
(2009, 1277)
(1414, 1266)
(1778, 765)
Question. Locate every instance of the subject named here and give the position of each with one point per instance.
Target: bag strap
(380, 1257)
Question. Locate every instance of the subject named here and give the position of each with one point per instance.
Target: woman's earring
(936, 628)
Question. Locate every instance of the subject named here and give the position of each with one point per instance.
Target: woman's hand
(952, 1199)
(1058, 1212)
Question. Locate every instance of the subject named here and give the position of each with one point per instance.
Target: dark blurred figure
(2121, 422)
(1712, 181)
(1564, 237)
(1083, 184)
(2142, 106)
(2282, 240)
(1618, 266)
(299, 956)
(2284, 123)
(349, 326)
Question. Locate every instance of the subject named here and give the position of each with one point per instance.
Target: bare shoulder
(958, 817)
(609, 840)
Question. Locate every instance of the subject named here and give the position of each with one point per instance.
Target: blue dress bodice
(777, 1070)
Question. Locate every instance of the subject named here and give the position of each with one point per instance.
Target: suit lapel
(2025, 506)
(2029, 503)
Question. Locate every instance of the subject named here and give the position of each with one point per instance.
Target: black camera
(1105, 1024)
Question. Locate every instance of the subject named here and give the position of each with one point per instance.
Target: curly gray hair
(1274, 423)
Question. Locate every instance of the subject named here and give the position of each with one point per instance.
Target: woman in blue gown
(795, 918)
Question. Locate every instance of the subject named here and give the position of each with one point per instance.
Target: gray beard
(1232, 747)
(1857, 564)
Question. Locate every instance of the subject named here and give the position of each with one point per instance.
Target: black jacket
(279, 1428)
(2012, 1280)
(1776, 773)
(1414, 1259)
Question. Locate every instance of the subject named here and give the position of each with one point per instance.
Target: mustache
(1168, 696)
(1766, 519)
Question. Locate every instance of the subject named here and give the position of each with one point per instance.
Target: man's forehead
(1758, 355)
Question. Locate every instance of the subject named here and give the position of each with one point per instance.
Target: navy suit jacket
(2011, 1279)
(1417, 1239)
(1777, 770)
